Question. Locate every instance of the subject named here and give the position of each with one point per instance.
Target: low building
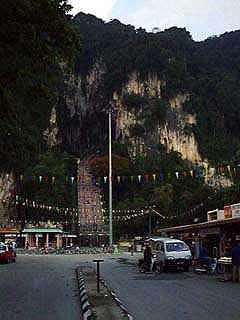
(217, 236)
(8, 234)
(43, 237)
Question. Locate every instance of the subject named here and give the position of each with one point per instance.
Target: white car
(170, 253)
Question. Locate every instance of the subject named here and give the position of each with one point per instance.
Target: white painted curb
(86, 309)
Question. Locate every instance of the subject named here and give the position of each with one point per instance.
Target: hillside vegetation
(208, 70)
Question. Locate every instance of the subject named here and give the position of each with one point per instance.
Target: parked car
(170, 254)
(7, 254)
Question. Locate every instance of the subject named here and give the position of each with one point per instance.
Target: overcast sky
(203, 18)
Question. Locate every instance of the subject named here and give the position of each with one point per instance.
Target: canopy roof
(42, 230)
(8, 230)
(201, 225)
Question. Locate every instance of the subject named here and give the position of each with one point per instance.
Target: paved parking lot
(173, 295)
(44, 288)
(39, 288)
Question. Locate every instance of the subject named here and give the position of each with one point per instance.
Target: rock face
(151, 87)
(172, 134)
(7, 190)
(51, 134)
(83, 98)
(184, 144)
(174, 137)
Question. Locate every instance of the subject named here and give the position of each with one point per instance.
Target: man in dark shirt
(148, 257)
(236, 261)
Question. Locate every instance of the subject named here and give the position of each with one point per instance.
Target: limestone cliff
(82, 97)
(172, 134)
(7, 189)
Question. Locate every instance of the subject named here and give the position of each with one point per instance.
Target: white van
(170, 253)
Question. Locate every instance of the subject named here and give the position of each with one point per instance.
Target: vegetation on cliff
(35, 37)
(208, 70)
(38, 36)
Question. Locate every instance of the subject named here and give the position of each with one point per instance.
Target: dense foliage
(208, 70)
(38, 40)
(35, 37)
(172, 197)
(55, 189)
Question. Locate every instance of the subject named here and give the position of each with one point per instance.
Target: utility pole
(149, 223)
(110, 177)
(150, 219)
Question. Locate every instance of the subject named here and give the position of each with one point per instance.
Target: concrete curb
(118, 301)
(87, 313)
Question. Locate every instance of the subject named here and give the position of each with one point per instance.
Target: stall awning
(209, 224)
(8, 231)
(42, 230)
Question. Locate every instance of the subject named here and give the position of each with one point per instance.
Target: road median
(103, 305)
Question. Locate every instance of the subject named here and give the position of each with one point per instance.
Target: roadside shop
(217, 235)
(43, 237)
(8, 234)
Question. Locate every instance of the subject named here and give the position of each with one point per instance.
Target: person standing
(148, 257)
(236, 261)
(27, 245)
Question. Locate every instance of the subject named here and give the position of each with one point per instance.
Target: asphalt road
(44, 288)
(39, 288)
(171, 296)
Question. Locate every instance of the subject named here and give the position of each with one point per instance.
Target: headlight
(188, 257)
(170, 258)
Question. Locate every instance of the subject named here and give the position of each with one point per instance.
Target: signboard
(8, 230)
(235, 210)
(124, 243)
(212, 215)
(227, 212)
(209, 231)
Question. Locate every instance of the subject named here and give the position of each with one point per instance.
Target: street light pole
(110, 178)
(150, 219)
(149, 223)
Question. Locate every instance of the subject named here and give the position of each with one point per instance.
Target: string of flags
(119, 215)
(198, 172)
(28, 203)
(123, 215)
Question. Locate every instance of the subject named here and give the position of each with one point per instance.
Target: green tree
(56, 187)
(163, 197)
(35, 38)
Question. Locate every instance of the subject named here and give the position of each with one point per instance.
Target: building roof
(8, 230)
(42, 230)
(207, 224)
